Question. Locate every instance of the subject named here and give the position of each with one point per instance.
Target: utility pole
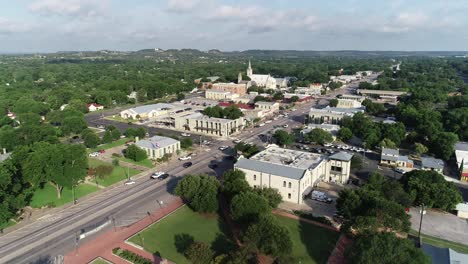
(420, 224)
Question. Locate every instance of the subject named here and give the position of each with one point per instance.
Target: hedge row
(130, 256)
(310, 216)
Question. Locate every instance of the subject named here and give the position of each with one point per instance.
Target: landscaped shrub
(130, 256)
(310, 216)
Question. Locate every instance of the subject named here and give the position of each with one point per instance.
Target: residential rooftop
(433, 163)
(337, 110)
(156, 142)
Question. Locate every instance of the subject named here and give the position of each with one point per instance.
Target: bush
(115, 162)
(116, 155)
(135, 153)
(310, 216)
(130, 256)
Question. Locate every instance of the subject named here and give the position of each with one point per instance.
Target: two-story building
(156, 147)
(201, 124)
(294, 173)
(331, 115)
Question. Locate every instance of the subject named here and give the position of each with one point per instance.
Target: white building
(348, 103)
(332, 129)
(313, 89)
(94, 107)
(201, 124)
(262, 80)
(147, 111)
(461, 154)
(392, 157)
(432, 164)
(156, 147)
(343, 78)
(331, 115)
(220, 95)
(294, 173)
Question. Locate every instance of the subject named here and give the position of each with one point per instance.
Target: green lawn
(7, 224)
(311, 243)
(99, 261)
(113, 144)
(145, 163)
(118, 174)
(160, 237)
(438, 242)
(48, 194)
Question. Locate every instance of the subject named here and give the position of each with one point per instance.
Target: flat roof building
(240, 89)
(156, 147)
(461, 154)
(146, 111)
(432, 164)
(331, 115)
(201, 124)
(294, 173)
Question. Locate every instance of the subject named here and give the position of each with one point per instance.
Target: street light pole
(420, 224)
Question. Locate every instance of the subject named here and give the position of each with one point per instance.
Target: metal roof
(389, 151)
(343, 156)
(156, 142)
(444, 255)
(148, 108)
(429, 162)
(461, 146)
(270, 168)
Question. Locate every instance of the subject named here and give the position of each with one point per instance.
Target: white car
(268, 122)
(286, 126)
(130, 182)
(275, 118)
(94, 154)
(223, 147)
(327, 145)
(206, 142)
(157, 174)
(185, 135)
(237, 141)
(185, 158)
(261, 124)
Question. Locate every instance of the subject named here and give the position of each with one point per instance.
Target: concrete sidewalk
(102, 246)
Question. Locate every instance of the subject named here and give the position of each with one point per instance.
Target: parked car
(237, 141)
(160, 175)
(400, 170)
(223, 148)
(327, 145)
(94, 154)
(185, 158)
(185, 135)
(187, 164)
(286, 126)
(130, 182)
(261, 124)
(268, 121)
(321, 197)
(206, 142)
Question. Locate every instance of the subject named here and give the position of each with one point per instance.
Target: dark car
(187, 164)
(213, 166)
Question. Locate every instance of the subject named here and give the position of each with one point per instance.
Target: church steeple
(249, 70)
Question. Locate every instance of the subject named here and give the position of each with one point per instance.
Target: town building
(392, 157)
(432, 164)
(147, 111)
(348, 103)
(234, 88)
(220, 95)
(294, 173)
(444, 255)
(302, 97)
(331, 115)
(381, 96)
(352, 97)
(345, 79)
(156, 147)
(201, 124)
(332, 129)
(94, 107)
(461, 154)
(313, 89)
(261, 80)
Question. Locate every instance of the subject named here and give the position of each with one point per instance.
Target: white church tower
(249, 70)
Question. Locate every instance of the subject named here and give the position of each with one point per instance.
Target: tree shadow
(171, 184)
(318, 241)
(182, 242)
(43, 260)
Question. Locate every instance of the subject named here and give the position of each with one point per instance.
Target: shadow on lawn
(319, 242)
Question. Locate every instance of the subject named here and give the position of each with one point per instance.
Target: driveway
(441, 225)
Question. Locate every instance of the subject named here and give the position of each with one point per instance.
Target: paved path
(102, 246)
(338, 254)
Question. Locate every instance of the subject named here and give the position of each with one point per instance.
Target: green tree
(431, 189)
(384, 248)
(135, 153)
(443, 145)
(91, 140)
(333, 102)
(387, 143)
(199, 253)
(356, 162)
(248, 206)
(107, 138)
(283, 137)
(420, 148)
(269, 236)
(345, 134)
(73, 124)
(200, 191)
(186, 143)
(319, 136)
(273, 196)
(294, 99)
(234, 182)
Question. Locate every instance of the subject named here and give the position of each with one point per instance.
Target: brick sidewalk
(338, 254)
(102, 245)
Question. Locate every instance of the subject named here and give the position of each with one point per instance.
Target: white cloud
(8, 26)
(181, 6)
(82, 8)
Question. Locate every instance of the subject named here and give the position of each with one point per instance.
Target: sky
(65, 25)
